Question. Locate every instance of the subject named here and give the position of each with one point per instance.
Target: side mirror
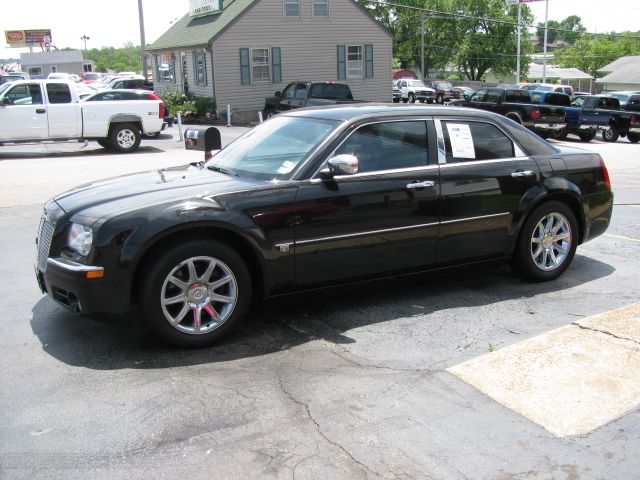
(6, 101)
(340, 165)
(278, 94)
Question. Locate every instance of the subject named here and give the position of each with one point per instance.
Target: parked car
(622, 123)
(583, 119)
(308, 199)
(623, 96)
(416, 91)
(463, 92)
(10, 78)
(397, 94)
(51, 110)
(516, 104)
(136, 83)
(307, 94)
(91, 77)
(444, 91)
(125, 94)
(549, 87)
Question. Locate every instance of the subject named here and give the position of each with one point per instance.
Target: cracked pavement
(339, 384)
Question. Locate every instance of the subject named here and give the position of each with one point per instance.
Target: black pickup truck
(307, 94)
(516, 104)
(622, 123)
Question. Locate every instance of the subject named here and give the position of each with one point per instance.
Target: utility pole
(518, 56)
(546, 24)
(143, 44)
(422, 45)
(85, 38)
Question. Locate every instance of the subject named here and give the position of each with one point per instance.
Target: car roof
(353, 111)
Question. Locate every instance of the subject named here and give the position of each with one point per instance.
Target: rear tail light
(536, 114)
(634, 120)
(154, 96)
(162, 110)
(605, 174)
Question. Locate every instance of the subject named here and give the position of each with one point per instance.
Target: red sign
(21, 38)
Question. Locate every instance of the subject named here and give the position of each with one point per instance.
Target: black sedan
(127, 94)
(317, 197)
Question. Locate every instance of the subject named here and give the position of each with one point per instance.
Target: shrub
(190, 106)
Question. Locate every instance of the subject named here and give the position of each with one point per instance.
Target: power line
(458, 15)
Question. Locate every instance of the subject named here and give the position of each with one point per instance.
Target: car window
(58, 93)
(492, 96)
(288, 92)
(469, 141)
(478, 96)
(536, 97)
(559, 99)
(26, 94)
(388, 146)
(578, 102)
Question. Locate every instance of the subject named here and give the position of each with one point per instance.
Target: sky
(112, 23)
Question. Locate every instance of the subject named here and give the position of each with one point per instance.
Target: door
(380, 220)
(287, 99)
(62, 111)
(484, 176)
(23, 115)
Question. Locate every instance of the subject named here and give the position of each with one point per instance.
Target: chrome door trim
(471, 219)
(362, 234)
(484, 162)
(378, 173)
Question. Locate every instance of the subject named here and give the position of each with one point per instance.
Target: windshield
(273, 149)
(4, 86)
(416, 83)
(621, 96)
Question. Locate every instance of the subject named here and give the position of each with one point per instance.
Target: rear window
(559, 99)
(58, 93)
(334, 91)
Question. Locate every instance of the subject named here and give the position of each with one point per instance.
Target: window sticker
(286, 167)
(461, 140)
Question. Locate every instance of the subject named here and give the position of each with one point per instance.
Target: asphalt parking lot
(400, 379)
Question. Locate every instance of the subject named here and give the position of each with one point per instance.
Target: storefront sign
(24, 38)
(204, 7)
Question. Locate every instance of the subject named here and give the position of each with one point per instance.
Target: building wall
(612, 87)
(205, 90)
(75, 68)
(308, 51)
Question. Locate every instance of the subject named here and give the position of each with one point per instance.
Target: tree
(592, 52)
(552, 25)
(572, 29)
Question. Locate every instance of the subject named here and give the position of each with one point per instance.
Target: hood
(114, 195)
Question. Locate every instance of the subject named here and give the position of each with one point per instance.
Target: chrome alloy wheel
(551, 241)
(199, 295)
(126, 138)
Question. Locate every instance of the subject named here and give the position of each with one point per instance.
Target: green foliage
(189, 105)
(574, 24)
(552, 25)
(590, 53)
(116, 59)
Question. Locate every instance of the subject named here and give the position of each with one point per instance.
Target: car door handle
(522, 173)
(425, 184)
(40, 110)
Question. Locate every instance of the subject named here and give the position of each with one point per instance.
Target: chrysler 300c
(319, 197)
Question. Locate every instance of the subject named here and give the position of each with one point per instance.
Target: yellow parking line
(622, 237)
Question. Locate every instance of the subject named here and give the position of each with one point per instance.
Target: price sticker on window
(461, 140)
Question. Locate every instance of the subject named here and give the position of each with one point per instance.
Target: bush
(191, 107)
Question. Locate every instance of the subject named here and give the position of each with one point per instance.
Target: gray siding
(308, 51)
(197, 90)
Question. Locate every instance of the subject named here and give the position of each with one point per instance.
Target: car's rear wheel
(547, 242)
(124, 138)
(560, 134)
(195, 293)
(633, 137)
(587, 137)
(611, 134)
(412, 98)
(440, 99)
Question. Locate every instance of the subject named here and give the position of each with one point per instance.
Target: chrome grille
(45, 234)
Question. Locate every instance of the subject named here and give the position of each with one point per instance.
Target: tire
(560, 134)
(587, 137)
(412, 98)
(193, 318)
(633, 137)
(439, 99)
(541, 256)
(611, 135)
(124, 138)
(153, 135)
(268, 114)
(103, 142)
(430, 101)
(405, 100)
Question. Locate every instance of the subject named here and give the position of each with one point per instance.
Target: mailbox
(203, 139)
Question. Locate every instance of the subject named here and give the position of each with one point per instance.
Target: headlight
(80, 238)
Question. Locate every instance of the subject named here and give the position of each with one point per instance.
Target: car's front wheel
(633, 137)
(195, 293)
(611, 134)
(547, 242)
(587, 137)
(124, 138)
(412, 98)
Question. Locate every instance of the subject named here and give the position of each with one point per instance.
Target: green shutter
(245, 67)
(342, 66)
(368, 60)
(276, 68)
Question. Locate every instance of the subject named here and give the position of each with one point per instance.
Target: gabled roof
(57, 56)
(190, 31)
(629, 73)
(535, 71)
(620, 63)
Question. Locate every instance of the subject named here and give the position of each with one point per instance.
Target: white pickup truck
(51, 110)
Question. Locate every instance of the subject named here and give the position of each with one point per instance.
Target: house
(41, 64)
(238, 52)
(621, 74)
